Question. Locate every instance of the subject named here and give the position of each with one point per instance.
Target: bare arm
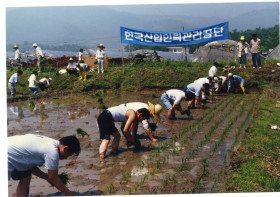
(177, 107)
(56, 181)
(150, 135)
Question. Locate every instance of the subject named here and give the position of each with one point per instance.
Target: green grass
(259, 143)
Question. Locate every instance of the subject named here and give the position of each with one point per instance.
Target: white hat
(230, 74)
(15, 46)
(215, 78)
(70, 58)
(35, 45)
(101, 45)
(155, 109)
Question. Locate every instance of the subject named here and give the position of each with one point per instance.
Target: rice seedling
(82, 132)
(109, 189)
(125, 177)
(100, 100)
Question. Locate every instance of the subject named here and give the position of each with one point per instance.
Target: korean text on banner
(188, 37)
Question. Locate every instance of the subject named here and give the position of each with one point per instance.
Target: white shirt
(45, 81)
(17, 55)
(28, 151)
(202, 80)
(136, 106)
(13, 78)
(31, 80)
(38, 52)
(83, 66)
(212, 71)
(71, 65)
(100, 54)
(176, 95)
(195, 88)
(118, 113)
(80, 56)
(223, 78)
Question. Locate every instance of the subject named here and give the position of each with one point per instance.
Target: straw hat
(155, 109)
(242, 38)
(101, 45)
(230, 74)
(35, 45)
(15, 46)
(70, 58)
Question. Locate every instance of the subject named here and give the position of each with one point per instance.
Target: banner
(188, 37)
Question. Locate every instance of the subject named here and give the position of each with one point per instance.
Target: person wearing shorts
(172, 99)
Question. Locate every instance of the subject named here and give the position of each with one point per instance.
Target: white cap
(70, 58)
(215, 78)
(15, 46)
(230, 74)
(35, 45)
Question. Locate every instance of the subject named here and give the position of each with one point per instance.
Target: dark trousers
(256, 57)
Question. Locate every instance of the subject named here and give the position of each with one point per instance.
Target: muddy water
(56, 118)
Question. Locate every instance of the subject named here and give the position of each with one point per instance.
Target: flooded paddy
(177, 156)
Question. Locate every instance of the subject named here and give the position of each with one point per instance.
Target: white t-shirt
(31, 80)
(71, 65)
(83, 66)
(118, 113)
(80, 56)
(28, 151)
(212, 71)
(202, 81)
(176, 95)
(195, 88)
(13, 78)
(223, 78)
(38, 52)
(136, 106)
(45, 81)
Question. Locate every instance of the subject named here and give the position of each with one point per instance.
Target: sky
(205, 9)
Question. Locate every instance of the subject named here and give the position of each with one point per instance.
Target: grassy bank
(167, 74)
(255, 167)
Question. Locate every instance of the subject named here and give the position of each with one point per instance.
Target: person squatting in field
(195, 90)
(154, 111)
(83, 68)
(45, 83)
(235, 81)
(172, 100)
(27, 152)
(72, 67)
(129, 119)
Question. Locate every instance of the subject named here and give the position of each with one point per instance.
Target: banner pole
(122, 57)
(228, 55)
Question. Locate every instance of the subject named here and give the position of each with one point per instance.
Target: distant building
(178, 50)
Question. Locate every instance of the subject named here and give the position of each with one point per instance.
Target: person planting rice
(172, 99)
(129, 119)
(195, 90)
(44, 83)
(72, 67)
(213, 73)
(27, 152)
(154, 111)
(83, 70)
(235, 80)
(220, 84)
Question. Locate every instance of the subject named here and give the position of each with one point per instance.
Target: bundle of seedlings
(82, 132)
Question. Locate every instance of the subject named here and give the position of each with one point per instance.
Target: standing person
(27, 152)
(83, 68)
(242, 51)
(32, 80)
(235, 80)
(213, 73)
(39, 55)
(72, 67)
(255, 45)
(195, 89)
(172, 100)
(44, 82)
(13, 81)
(154, 111)
(100, 54)
(106, 125)
(81, 54)
(17, 55)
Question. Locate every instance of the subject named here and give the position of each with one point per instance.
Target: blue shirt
(236, 80)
